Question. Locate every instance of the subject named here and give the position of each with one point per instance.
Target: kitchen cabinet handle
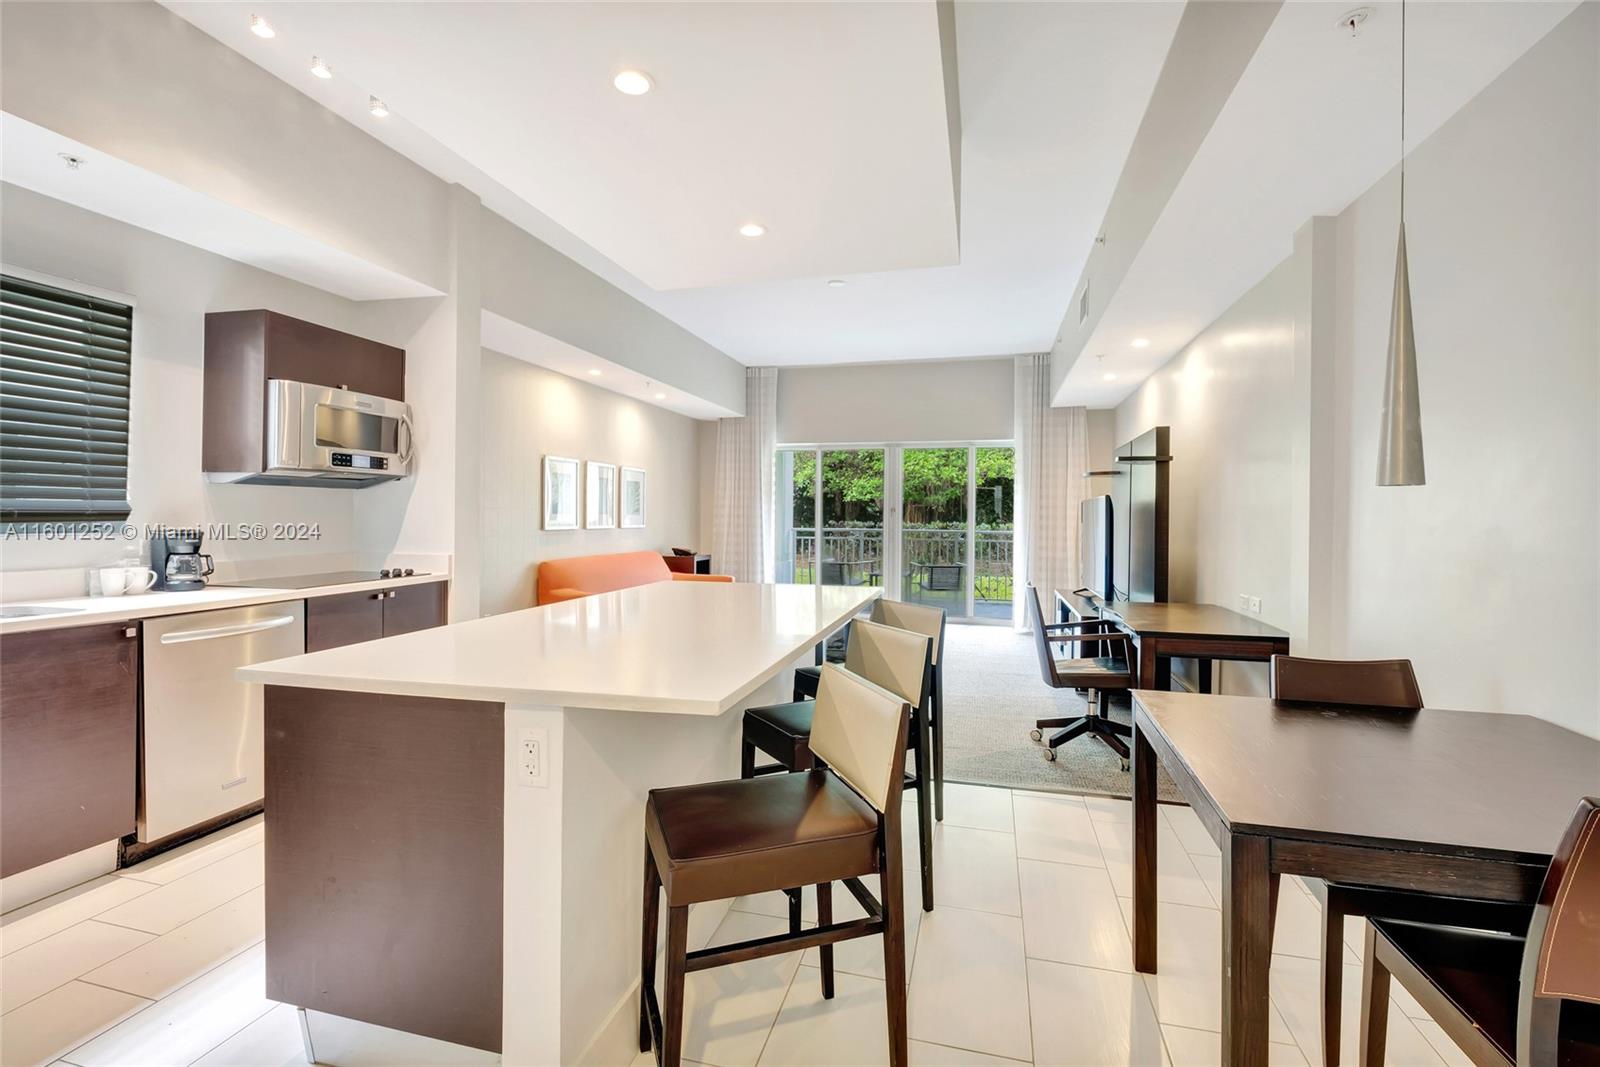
(393, 594)
(180, 636)
(378, 595)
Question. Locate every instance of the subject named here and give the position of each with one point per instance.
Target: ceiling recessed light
(752, 229)
(261, 27)
(321, 69)
(1108, 376)
(377, 107)
(1141, 342)
(633, 82)
(835, 283)
(595, 372)
(661, 396)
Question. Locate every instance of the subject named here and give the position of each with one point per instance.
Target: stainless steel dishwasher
(200, 749)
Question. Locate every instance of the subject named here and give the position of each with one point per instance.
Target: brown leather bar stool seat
(838, 822)
(898, 660)
(730, 839)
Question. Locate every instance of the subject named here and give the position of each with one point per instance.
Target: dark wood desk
(1450, 802)
(1204, 632)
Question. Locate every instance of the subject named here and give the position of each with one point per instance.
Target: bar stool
(829, 824)
(919, 619)
(899, 661)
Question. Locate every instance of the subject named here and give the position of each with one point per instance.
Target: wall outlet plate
(1255, 605)
(533, 755)
(1244, 602)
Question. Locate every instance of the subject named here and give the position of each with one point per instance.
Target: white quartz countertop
(86, 610)
(694, 648)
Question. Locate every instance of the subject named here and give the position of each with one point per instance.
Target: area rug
(993, 693)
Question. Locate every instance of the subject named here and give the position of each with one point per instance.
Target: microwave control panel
(357, 461)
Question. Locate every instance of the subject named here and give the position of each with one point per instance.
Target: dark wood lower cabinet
(69, 730)
(345, 619)
(348, 618)
(414, 607)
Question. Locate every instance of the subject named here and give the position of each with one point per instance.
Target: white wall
(175, 285)
(946, 400)
(1486, 576)
(1227, 398)
(530, 412)
(1503, 222)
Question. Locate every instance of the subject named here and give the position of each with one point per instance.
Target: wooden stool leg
(794, 909)
(677, 966)
(1374, 1003)
(891, 882)
(1273, 881)
(647, 949)
(825, 952)
(938, 744)
(1332, 976)
(747, 760)
(924, 809)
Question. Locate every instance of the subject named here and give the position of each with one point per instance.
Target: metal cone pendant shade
(1400, 446)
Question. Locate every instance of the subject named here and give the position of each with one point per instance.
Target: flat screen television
(1095, 541)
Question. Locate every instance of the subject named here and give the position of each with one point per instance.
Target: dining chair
(833, 823)
(1385, 685)
(1097, 674)
(1532, 1000)
(899, 661)
(920, 619)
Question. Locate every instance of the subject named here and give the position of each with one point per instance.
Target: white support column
(1313, 514)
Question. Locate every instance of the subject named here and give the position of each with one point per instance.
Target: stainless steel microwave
(317, 435)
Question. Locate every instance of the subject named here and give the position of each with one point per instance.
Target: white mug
(139, 579)
(113, 581)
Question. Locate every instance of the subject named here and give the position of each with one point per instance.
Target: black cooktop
(311, 581)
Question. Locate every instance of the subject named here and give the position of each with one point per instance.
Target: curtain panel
(1052, 458)
(742, 519)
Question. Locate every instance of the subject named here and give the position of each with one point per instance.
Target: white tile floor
(1026, 960)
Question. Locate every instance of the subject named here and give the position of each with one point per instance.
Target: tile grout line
(1033, 1053)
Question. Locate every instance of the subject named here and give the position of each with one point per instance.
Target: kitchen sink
(24, 611)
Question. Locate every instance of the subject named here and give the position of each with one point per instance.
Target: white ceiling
(825, 121)
(106, 185)
(1312, 124)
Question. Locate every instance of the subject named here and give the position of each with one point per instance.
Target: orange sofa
(576, 576)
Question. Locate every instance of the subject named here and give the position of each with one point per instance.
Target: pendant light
(1400, 440)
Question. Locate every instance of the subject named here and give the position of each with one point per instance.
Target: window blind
(65, 359)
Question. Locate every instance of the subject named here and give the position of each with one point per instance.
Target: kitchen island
(455, 816)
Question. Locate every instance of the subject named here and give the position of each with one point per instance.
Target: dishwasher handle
(180, 636)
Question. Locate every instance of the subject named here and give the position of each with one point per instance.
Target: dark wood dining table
(1160, 631)
(1457, 803)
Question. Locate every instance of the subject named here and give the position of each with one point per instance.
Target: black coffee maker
(179, 564)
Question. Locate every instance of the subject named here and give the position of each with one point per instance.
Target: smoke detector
(73, 162)
(1351, 21)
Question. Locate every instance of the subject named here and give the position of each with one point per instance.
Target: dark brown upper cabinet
(245, 348)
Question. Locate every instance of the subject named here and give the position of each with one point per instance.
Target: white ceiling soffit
(109, 186)
(824, 122)
(501, 334)
(1050, 96)
(1312, 124)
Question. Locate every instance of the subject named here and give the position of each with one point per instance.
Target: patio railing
(855, 555)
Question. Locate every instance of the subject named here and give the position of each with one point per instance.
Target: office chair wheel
(1050, 754)
(1037, 735)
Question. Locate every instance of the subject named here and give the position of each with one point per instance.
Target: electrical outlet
(1255, 605)
(533, 749)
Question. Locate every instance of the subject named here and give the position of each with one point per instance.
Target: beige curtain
(742, 522)
(1052, 457)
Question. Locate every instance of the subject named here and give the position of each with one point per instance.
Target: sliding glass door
(932, 525)
(830, 516)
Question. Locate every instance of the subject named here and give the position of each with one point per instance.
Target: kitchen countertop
(695, 648)
(97, 609)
